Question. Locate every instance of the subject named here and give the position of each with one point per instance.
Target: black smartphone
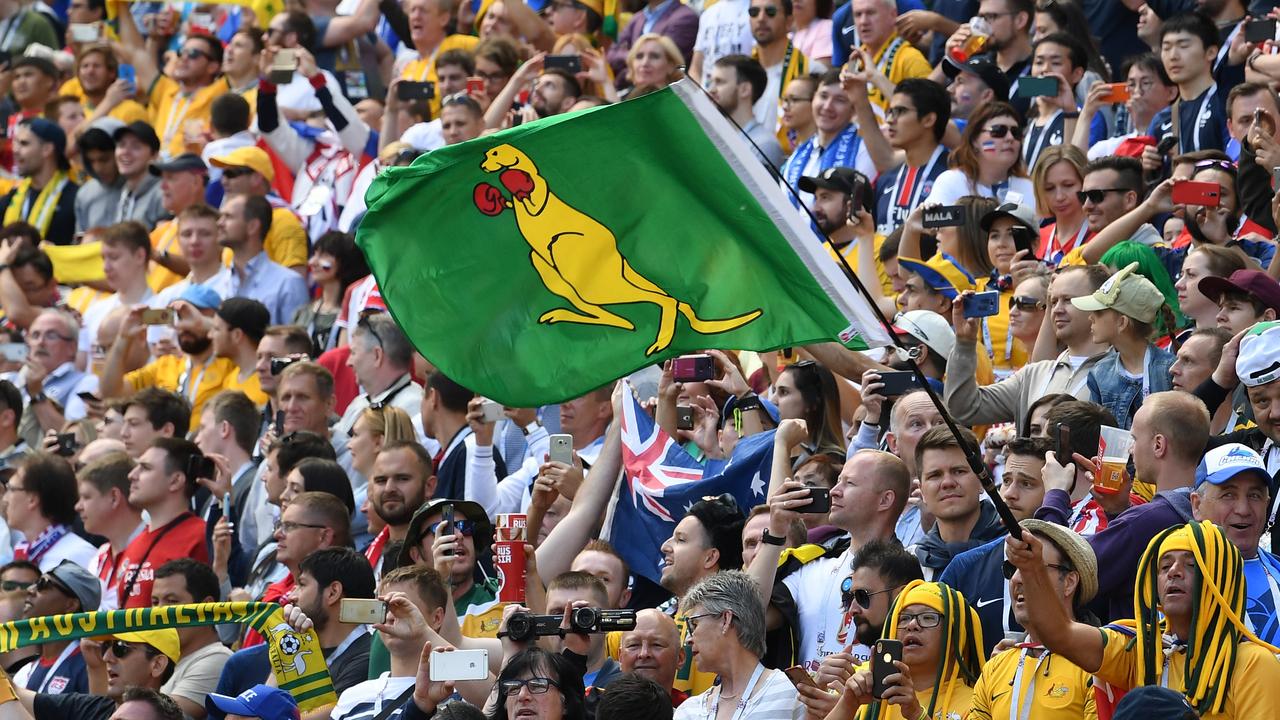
(1166, 144)
(1256, 31)
(820, 501)
(899, 382)
(88, 397)
(1062, 444)
(983, 304)
(412, 91)
(684, 417)
(279, 423)
(278, 364)
(1029, 87)
(569, 63)
(67, 444)
(446, 523)
(199, 466)
(885, 653)
(944, 216)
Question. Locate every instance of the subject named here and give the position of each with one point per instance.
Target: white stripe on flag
(788, 219)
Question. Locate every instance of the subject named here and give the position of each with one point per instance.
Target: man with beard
(554, 92)
(403, 477)
(737, 84)
(96, 70)
(197, 374)
(46, 196)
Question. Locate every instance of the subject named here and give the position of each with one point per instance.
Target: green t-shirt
(31, 28)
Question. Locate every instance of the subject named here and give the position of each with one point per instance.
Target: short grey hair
(736, 592)
(394, 342)
(69, 322)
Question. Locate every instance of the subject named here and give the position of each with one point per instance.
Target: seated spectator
(949, 491)
(182, 582)
(40, 503)
(60, 668)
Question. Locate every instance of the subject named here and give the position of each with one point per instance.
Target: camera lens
(584, 619)
(520, 627)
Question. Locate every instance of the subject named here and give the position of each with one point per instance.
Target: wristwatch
(768, 539)
(38, 398)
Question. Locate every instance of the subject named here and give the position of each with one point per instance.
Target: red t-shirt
(185, 538)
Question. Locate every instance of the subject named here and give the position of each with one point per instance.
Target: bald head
(99, 448)
(653, 648)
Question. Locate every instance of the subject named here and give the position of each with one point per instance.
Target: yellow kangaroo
(577, 257)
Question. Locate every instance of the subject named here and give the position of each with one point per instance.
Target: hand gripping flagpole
(972, 454)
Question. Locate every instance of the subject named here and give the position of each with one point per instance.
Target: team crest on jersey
(57, 685)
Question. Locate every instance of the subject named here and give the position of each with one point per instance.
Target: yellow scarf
(41, 214)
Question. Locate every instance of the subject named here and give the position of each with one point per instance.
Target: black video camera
(597, 620)
(523, 626)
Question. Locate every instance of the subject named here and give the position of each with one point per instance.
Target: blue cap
(203, 297)
(259, 701)
(1227, 461)
(1153, 701)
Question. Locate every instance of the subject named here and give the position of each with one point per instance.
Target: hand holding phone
(943, 216)
(459, 665)
(561, 449)
(884, 658)
(983, 304)
(361, 611)
(1192, 192)
(1116, 93)
(446, 527)
(571, 64)
(819, 502)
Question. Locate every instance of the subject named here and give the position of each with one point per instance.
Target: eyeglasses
(770, 10)
(288, 526)
(1026, 303)
(999, 131)
(536, 685)
(1009, 569)
(37, 336)
(793, 100)
(692, 620)
(12, 585)
(194, 54)
(1144, 86)
(897, 111)
(464, 527)
(928, 619)
(1097, 196)
(862, 596)
(993, 16)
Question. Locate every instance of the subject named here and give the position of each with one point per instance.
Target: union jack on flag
(662, 481)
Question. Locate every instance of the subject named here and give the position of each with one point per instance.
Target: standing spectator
(335, 265)
(723, 29)
(227, 432)
(676, 21)
(773, 49)
(382, 359)
(737, 82)
(652, 650)
(950, 492)
(429, 21)
(1008, 44)
(196, 228)
(249, 171)
(184, 581)
(160, 486)
(46, 195)
(1189, 44)
(40, 502)
(1063, 58)
(104, 510)
(244, 222)
(401, 482)
(140, 198)
(237, 328)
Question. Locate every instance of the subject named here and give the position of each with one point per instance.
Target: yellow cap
(252, 157)
(166, 641)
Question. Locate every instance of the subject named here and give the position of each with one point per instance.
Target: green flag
(539, 263)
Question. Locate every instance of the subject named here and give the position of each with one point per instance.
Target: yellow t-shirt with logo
(953, 708)
(1051, 686)
(126, 112)
(423, 69)
(1255, 683)
(220, 374)
(171, 109)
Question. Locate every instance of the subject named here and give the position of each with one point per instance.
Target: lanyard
(67, 652)
(11, 26)
(1008, 342)
(188, 389)
(177, 111)
(1019, 710)
(1057, 250)
(1195, 125)
(742, 699)
(1033, 150)
(125, 207)
(1272, 586)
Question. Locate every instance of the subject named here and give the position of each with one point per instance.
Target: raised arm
(1159, 201)
(1078, 643)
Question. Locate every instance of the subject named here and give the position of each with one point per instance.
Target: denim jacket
(1110, 387)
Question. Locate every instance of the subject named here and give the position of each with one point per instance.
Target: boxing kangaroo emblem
(577, 257)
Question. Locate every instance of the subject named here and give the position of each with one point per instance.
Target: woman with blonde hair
(653, 63)
(374, 428)
(1058, 176)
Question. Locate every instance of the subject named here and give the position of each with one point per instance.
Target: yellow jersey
(171, 109)
(954, 707)
(126, 112)
(176, 373)
(423, 69)
(897, 60)
(1054, 689)
(850, 253)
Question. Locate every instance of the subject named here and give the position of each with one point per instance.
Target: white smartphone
(85, 32)
(492, 411)
(359, 611)
(457, 665)
(561, 449)
(14, 352)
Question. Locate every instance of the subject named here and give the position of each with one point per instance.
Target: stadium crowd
(1068, 208)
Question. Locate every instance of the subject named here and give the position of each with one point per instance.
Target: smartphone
(66, 444)
(561, 449)
(199, 466)
(283, 66)
(226, 507)
(1256, 31)
(360, 611)
(459, 665)
(492, 411)
(1263, 119)
(157, 316)
(899, 382)
(278, 364)
(1029, 87)
(820, 501)
(14, 352)
(279, 423)
(411, 91)
(1191, 192)
(983, 304)
(1116, 93)
(569, 63)
(475, 85)
(88, 397)
(883, 656)
(693, 368)
(684, 417)
(944, 216)
(127, 74)
(446, 523)
(1166, 144)
(201, 20)
(84, 32)
(799, 676)
(1062, 444)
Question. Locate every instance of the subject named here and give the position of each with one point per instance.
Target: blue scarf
(842, 152)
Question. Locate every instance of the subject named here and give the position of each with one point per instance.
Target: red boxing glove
(489, 199)
(518, 182)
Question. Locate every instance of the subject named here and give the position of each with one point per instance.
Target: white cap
(929, 328)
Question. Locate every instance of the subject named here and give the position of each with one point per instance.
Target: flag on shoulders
(661, 481)
(539, 263)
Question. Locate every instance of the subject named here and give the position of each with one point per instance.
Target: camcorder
(523, 626)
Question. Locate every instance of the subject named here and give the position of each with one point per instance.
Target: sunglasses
(465, 527)
(121, 649)
(1009, 569)
(1026, 303)
(999, 131)
(194, 54)
(862, 596)
(770, 10)
(1097, 196)
(12, 585)
(45, 582)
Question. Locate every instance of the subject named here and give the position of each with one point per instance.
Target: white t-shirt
(766, 108)
(69, 547)
(815, 587)
(776, 699)
(954, 184)
(724, 29)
